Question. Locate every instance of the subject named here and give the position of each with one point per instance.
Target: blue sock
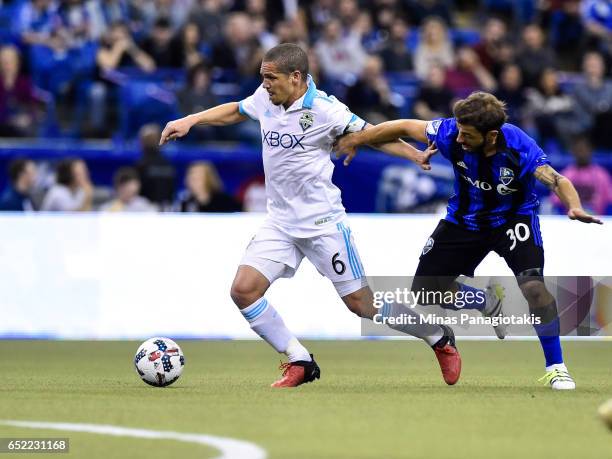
(549, 339)
(471, 298)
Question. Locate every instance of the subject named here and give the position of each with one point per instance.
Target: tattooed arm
(563, 188)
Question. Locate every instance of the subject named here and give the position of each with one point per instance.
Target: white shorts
(276, 254)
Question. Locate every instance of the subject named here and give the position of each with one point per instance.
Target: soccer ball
(159, 361)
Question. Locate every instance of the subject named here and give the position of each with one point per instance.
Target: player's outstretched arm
(393, 147)
(384, 132)
(221, 115)
(564, 188)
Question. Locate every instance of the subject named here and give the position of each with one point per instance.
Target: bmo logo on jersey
(288, 141)
(484, 186)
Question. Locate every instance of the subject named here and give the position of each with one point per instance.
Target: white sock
(557, 366)
(267, 323)
(430, 333)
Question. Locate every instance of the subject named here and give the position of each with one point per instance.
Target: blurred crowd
(89, 67)
(146, 186)
(105, 68)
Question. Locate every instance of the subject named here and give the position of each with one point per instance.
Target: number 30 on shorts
(519, 233)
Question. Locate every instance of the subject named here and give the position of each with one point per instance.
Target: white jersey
(296, 148)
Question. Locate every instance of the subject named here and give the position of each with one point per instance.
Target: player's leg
(521, 246)
(439, 337)
(449, 252)
(336, 257)
(258, 269)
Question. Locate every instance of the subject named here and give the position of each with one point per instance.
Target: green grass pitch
(376, 399)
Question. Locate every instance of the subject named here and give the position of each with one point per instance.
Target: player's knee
(357, 303)
(535, 293)
(244, 293)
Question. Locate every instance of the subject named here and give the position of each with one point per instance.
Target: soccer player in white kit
(299, 125)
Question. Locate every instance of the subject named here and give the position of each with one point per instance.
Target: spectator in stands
(157, 174)
(238, 49)
(567, 34)
(396, 54)
(272, 11)
(207, 14)
(22, 177)
(510, 91)
(73, 190)
(320, 12)
(18, 105)
(434, 47)
(117, 49)
(370, 97)
(205, 191)
(267, 40)
(468, 75)
(36, 19)
(592, 182)
(314, 69)
(191, 44)
(551, 108)
(340, 54)
(75, 21)
(104, 13)
(163, 46)
(348, 13)
(534, 56)
(506, 55)
(196, 97)
(434, 98)
(371, 37)
(593, 97)
(493, 35)
(291, 31)
(127, 188)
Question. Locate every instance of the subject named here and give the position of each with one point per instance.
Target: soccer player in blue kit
(493, 207)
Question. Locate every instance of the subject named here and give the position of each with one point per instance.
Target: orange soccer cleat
(296, 373)
(448, 356)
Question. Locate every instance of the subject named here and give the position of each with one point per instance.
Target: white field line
(229, 447)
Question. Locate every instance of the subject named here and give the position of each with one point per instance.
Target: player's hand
(423, 159)
(175, 129)
(346, 145)
(582, 216)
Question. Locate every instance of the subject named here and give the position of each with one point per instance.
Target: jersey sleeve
(343, 121)
(251, 105)
(442, 131)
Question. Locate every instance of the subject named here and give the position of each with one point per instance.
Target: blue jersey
(489, 190)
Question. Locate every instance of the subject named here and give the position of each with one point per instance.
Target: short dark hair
(63, 173)
(16, 167)
(482, 110)
(125, 175)
(289, 58)
(193, 71)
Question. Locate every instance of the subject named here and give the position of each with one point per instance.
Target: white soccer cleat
(558, 378)
(495, 295)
